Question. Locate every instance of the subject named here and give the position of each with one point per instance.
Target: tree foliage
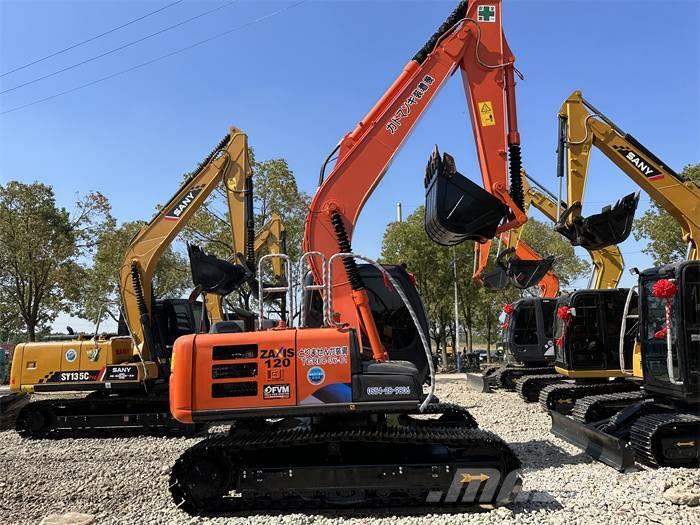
(545, 241)
(170, 279)
(42, 248)
(661, 230)
(479, 309)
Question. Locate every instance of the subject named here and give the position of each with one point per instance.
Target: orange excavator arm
(471, 40)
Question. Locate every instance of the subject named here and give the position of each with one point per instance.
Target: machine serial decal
(644, 167)
(316, 375)
(405, 108)
(176, 211)
(331, 355)
(72, 377)
(388, 390)
(71, 355)
(276, 391)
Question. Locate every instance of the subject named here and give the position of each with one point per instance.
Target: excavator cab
(456, 209)
(609, 227)
(522, 273)
(394, 324)
(529, 332)
(587, 333)
(671, 362)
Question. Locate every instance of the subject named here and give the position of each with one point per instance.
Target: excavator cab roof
(457, 209)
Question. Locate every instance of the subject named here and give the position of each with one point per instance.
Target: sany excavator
(590, 344)
(658, 425)
(529, 323)
(127, 373)
(326, 413)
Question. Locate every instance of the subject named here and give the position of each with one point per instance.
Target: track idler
(456, 209)
(611, 226)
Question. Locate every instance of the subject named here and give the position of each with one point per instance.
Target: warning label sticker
(486, 113)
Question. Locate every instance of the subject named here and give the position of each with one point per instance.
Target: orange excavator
(332, 411)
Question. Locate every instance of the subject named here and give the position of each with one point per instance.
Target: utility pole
(454, 273)
(399, 217)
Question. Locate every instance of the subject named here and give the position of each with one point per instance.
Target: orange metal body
(366, 152)
(255, 370)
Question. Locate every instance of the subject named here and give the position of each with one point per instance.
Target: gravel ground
(125, 480)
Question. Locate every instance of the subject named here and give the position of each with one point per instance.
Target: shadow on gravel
(541, 454)
(376, 513)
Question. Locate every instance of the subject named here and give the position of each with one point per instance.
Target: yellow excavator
(590, 346)
(529, 325)
(127, 373)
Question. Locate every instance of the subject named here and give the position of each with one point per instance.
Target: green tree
(544, 240)
(274, 191)
(665, 242)
(171, 278)
(42, 248)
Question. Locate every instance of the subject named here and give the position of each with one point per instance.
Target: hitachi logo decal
(176, 211)
(643, 166)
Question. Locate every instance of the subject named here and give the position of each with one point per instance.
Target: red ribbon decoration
(508, 308)
(664, 289)
(564, 313)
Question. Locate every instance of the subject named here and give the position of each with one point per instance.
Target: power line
(157, 59)
(114, 50)
(91, 38)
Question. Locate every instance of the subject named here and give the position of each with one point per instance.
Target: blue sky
(297, 82)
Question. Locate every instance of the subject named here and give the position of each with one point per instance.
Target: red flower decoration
(664, 289)
(564, 313)
(508, 308)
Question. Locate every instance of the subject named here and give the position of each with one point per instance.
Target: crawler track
(385, 464)
(562, 396)
(59, 418)
(596, 408)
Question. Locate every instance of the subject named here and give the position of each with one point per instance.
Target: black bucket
(526, 273)
(609, 227)
(456, 209)
(215, 275)
(522, 273)
(496, 279)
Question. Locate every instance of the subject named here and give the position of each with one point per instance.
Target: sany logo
(643, 166)
(176, 211)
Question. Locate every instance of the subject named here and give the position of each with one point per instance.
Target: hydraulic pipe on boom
(480, 51)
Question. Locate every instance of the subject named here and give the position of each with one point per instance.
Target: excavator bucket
(526, 273)
(215, 275)
(522, 273)
(456, 209)
(611, 226)
(496, 279)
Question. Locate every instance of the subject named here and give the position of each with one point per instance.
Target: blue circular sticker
(71, 355)
(316, 375)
